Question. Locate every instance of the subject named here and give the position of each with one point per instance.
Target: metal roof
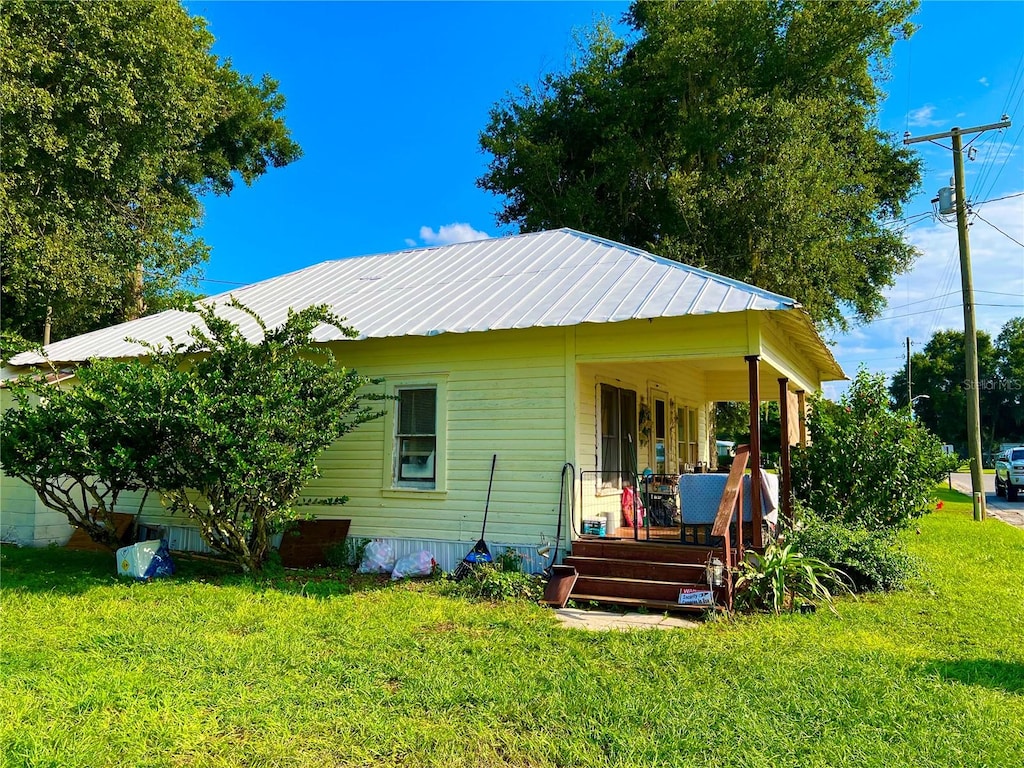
(554, 278)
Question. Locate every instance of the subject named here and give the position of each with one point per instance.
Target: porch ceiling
(725, 378)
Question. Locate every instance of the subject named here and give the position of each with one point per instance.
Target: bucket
(594, 526)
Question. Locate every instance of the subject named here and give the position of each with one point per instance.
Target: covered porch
(649, 496)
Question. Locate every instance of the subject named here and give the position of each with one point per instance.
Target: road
(1011, 512)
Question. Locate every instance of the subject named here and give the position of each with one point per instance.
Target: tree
(1010, 351)
(732, 423)
(116, 118)
(867, 465)
(83, 448)
(739, 137)
(227, 429)
(939, 372)
(250, 424)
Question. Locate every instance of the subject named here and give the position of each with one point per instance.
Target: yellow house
(563, 354)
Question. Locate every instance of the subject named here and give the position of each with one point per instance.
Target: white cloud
(984, 81)
(451, 233)
(410, 242)
(923, 117)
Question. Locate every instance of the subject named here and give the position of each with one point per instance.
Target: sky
(387, 100)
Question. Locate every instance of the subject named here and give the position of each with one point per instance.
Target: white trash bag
(379, 557)
(417, 564)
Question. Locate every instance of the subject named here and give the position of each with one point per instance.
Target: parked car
(1010, 473)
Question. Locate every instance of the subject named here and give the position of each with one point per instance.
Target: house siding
(505, 394)
(24, 519)
(527, 395)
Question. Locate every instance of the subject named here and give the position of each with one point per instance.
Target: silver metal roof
(555, 278)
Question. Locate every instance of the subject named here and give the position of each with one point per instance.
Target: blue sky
(387, 100)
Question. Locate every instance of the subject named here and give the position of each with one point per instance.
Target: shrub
(874, 560)
(501, 580)
(228, 429)
(867, 465)
(782, 577)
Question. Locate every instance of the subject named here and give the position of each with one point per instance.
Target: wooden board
(306, 545)
(559, 586)
(81, 542)
(731, 494)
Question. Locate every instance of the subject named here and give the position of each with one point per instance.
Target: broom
(479, 553)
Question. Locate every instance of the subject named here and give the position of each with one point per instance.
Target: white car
(1010, 473)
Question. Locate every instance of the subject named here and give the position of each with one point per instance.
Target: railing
(732, 503)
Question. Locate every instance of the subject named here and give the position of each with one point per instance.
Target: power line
(1006, 157)
(997, 199)
(997, 229)
(925, 214)
(943, 309)
(921, 301)
(947, 284)
(998, 293)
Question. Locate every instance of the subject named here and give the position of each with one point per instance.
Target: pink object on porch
(629, 500)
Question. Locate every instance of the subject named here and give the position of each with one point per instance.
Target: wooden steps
(639, 574)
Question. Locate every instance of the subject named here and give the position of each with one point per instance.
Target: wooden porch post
(755, 449)
(786, 481)
(801, 405)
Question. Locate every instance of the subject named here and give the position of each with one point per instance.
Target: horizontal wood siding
(17, 511)
(505, 395)
(692, 337)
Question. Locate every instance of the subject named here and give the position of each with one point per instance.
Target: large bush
(87, 448)
(873, 560)
(867, 465)
(227, 429)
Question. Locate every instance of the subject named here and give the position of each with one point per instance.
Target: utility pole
(967, 284)
(910, 387)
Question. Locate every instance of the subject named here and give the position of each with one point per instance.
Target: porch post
(786, 481)
(801, 405)
(755, 449)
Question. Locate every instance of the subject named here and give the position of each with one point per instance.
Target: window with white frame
(686, 429)
(416, 437)
(618, 434)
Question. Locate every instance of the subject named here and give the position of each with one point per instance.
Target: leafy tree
(227, 429)
(939, 371)
(867, 465)
(740, 137)
(732, 422)
(250, 424)
(1010, 351)
(82, 448)
(116, 118)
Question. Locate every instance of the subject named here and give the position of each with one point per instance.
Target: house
(562, 353)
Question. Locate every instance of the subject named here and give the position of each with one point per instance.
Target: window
(660, 437)
(686, 430)
(618, 434)
(416, 437)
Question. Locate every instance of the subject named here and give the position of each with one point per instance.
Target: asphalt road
(1011, 512)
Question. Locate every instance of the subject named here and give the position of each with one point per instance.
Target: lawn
(211, 669)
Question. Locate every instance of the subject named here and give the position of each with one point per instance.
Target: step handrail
(732, 501)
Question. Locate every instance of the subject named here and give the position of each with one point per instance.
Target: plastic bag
(379, 557)
(417, 564)
(145, 560)
(629, 500)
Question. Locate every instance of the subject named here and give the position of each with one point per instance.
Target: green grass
(211, 669)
